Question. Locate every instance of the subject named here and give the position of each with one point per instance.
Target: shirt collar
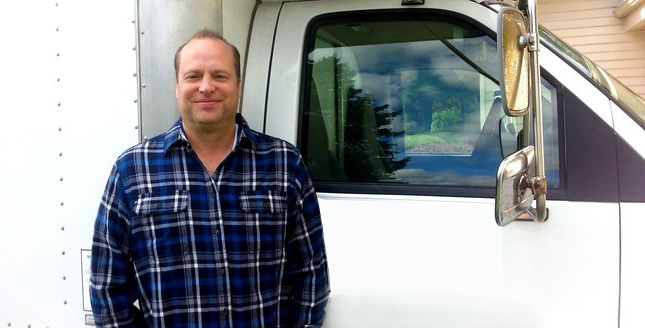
(176, 135)
(245, 132)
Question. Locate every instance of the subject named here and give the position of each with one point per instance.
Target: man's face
(207, 89)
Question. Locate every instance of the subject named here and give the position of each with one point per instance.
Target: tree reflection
(368, 142)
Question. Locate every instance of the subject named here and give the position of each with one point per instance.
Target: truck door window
(401, 99)
(511, 127)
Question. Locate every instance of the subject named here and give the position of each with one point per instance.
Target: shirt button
(221, 272)
(159, 205)
(218, 232)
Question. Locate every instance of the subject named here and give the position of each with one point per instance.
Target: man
(210, 224)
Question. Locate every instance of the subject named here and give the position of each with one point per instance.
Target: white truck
(398, 107)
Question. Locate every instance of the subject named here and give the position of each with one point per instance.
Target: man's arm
(306, 257)
(113, 288)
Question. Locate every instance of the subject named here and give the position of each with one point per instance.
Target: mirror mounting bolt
(539, 185)
(532, 42)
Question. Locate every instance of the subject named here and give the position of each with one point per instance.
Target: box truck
(472, 169)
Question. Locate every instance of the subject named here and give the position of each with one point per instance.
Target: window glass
(551, 140)
(510, 128)
(403, 99)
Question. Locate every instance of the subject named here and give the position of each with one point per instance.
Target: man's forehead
(205, 45)
(204, 48)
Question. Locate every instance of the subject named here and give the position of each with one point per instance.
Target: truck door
(397, 114)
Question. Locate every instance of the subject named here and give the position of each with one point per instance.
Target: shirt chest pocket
(266, 211)
(160, 203)
(264, 202)
(158, 228)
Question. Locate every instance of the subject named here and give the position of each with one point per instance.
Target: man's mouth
(207, 102)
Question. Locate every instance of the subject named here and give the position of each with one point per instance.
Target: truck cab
(397, 112)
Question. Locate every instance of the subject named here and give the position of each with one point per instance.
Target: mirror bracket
(531, 214)
(532, 42)
(538, 185)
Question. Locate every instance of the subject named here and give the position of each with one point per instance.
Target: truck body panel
(632, 265)
(396, 260)
(68, 105)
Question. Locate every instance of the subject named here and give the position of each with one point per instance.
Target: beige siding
(591, 27)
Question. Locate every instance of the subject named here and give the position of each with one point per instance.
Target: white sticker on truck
(86, 270)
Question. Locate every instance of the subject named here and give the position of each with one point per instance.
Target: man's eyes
(216, 76)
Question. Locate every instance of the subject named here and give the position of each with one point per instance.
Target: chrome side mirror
(515, 186)
(513, 55)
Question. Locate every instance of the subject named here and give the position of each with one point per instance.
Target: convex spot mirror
(514, 195)
(513, 55)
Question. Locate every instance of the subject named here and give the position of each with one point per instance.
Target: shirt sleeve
(306, 262)
(113, 288)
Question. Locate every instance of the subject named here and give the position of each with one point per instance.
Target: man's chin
(211, 122)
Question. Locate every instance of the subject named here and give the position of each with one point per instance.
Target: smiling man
(210, 224)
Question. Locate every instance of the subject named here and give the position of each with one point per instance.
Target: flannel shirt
(242, 247)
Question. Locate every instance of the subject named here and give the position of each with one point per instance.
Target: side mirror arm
(536, 106)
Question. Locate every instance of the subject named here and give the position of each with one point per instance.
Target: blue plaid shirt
(240, 248)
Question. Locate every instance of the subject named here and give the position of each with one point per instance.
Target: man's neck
(211, 145)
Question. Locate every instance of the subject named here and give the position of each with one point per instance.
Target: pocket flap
(159, 203)
(263, 201)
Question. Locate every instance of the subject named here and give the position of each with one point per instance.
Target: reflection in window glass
(402, 99)
(550, 126)
(511, 127)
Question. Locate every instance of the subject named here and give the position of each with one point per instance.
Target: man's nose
(206, 85)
